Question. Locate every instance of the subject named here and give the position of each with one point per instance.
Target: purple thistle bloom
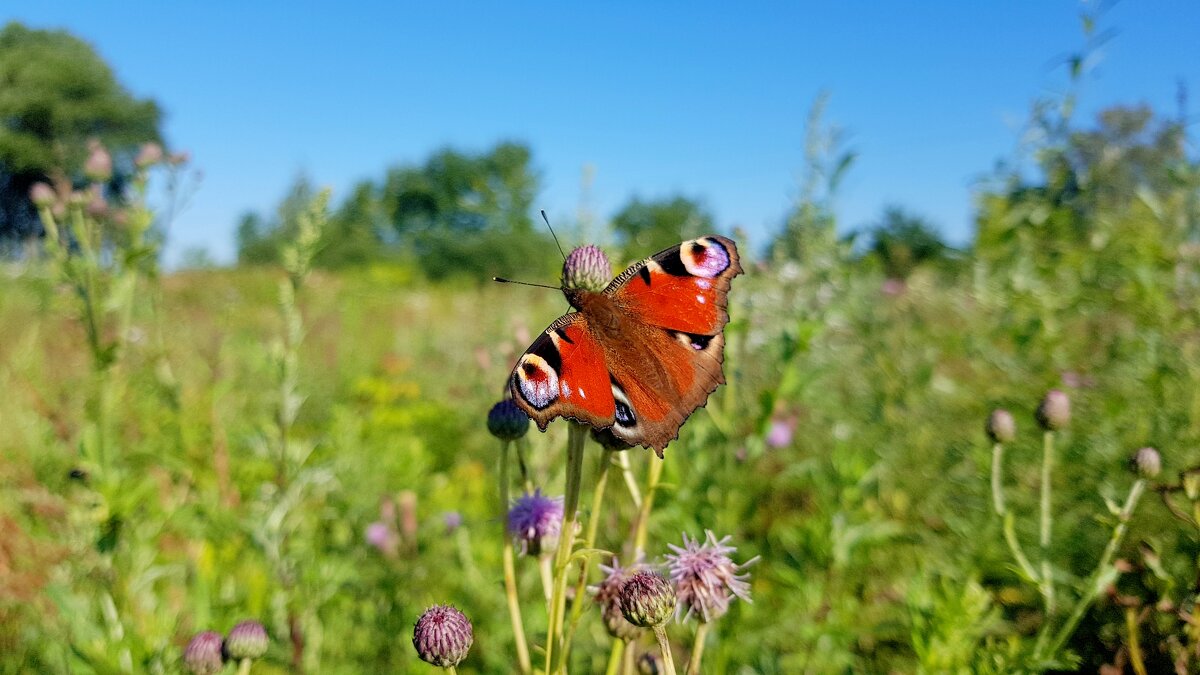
(535, 520)
(586, 267)
(443, 636)
(452, 520)
(247, 640)
(606, 594)
(779, 434)
(381, 535)
(204, 655)
(706, 578)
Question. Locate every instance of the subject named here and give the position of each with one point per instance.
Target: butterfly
(637, 358)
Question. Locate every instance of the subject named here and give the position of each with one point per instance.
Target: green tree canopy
(646, 227)
(902, 241)
(56, 94)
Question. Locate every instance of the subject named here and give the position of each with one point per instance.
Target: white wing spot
(581, 394)
(700, 299)
(566, 389)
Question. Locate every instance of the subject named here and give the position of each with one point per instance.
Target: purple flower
(779, 434)
(381, 535)
(706, 578)
(606, 593)
(98, 166)
(586, 268)
(535, 520)
(247, 640)
(204, 655)
(443, 636)
(42, 195)
(453, 520)
(647, 599)
(1054, 412)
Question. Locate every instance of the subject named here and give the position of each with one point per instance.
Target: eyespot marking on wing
(537, 381)
(704, 257)
(624, 417)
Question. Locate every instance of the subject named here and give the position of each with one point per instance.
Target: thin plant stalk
(1010, 534)
(244, 666)
(589, 541)
(547, 574)
(576, 435)
(693, 667)
(1134, 642)
(664, 645)
(1047, 520)
(635, 493)
(510, 572)
(614, 657)
(639, 537)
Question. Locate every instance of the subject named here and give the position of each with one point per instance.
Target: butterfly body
(639, 356)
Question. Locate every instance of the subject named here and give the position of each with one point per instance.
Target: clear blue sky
(707, 99)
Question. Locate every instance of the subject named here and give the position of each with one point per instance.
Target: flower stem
(510, 572)
(589, 541)
(244, 667)
(614, 657)
(1010, 534)
(1135, 646)
(639, 537)
(1047, 578)
(635, 493)
(693, 667)
(660, 633)
(576, 435)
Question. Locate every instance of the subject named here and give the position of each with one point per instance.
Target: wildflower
(247, 640)
(97, 206)
(1054, 412)
(452, 520)
(535, 520)
(647, 599)
(443, 636)
(706, 578)
(606, 595)
(649, 663)
(41, 195)
(179, 158)
(586, 268)
(381, 535)
(204, 654)
(98, 166)
(507, 421)
(1147, 462)
(149, 155)
(779, 434)
(1001, 427)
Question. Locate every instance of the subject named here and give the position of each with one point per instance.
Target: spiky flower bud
(443, 636)
(1147, 462)
(586, 268)
(1001, 427)
(705, 577)
(650, 663)
(98, 166)
(1054, 412)
(41, 195)
(148, 155)
(247, 640)
(647, 599)
(608, 440)
(204, 654)
(507, 421)
(606, 594)
(535, 521)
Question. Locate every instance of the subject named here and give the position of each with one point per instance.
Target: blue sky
(704, 99)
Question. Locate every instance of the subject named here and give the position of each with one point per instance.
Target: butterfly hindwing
(563, 373)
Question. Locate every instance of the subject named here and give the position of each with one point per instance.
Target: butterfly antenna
(524, 283)
(556, 243)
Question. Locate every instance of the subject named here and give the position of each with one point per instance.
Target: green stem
(510, 572)
(664, 645)
(997, 481)
(635, 493)
(576, 435)
(1098, 579)
(1135, 645)
(639, 537)
(1010, 534)
(693, 667)
(1047, 578)
(451, 670)
(614, 657)
(244, 666)
(589, 541)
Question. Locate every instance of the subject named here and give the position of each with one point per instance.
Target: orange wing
(563, 373)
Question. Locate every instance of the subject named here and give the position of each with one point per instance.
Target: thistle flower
(606, 593)
(1054, 412)
(383, 537)
(1147, 462)
(247, 640)
(705, 577)
(779, 433)
(41, 195)
(507, 421)
(649, 663)
(535, 520)
(443, 636)
(647, 599)
(452, 520)
(98, 166)
(586, 268)
(148, 155)
(1001, 427)
(204, 654)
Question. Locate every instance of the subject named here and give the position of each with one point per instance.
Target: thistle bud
(247, 640)
(650, 663)
(149, 155)
(41, 195)
(443, 636)
(98, 166)
(1147, 462)
(1054, 412)
(586, 268)
(607, 594)
(204, 654)
(507, 421)
(1001, 427)
(609, 441)
(647, 599)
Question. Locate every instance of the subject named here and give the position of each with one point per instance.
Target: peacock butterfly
(638, 357)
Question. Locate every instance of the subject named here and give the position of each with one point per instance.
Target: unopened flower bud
(443, 636)
(650, 663)
(1147, 462)
(647, 599)
(247, 640)
(149, 155)
(1001, 427)
(586, 268)
(98, 166)
(204, 655)
(1054, 412)
(507, 421)
(41, 195)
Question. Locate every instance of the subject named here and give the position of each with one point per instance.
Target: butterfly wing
(564, 373)
(674, 303)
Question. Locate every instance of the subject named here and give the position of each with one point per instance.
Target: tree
(901, 242)
(56, 95)
(647, 227)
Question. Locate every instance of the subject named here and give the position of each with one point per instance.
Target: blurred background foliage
(256, 431)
